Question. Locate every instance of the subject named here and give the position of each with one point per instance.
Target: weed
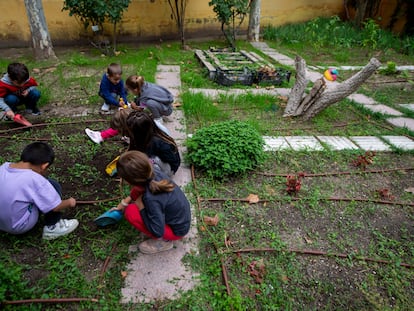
(391, 69)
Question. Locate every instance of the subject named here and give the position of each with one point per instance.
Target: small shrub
(371, 34)
(391, 69)
(226, 148)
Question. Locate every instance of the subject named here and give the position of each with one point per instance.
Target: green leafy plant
(371, 34)
(12, 285)
(231, 14)
(391, 69)
(226, 148)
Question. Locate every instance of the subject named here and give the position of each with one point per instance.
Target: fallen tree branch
(99, 201)
(322, 253)
(49, 300)
(303, 199)
(49, 124)
(319, 97)
(342, 173)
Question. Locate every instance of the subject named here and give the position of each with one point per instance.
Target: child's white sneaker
(105, 107)
(95, 136)
(126, 139)
(63, 227)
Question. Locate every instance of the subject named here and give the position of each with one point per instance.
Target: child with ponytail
(156, 206)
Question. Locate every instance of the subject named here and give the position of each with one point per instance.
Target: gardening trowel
(18, 118)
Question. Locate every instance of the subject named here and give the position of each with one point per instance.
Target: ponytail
(135, 168)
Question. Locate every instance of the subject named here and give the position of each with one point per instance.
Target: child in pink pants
(117, 126)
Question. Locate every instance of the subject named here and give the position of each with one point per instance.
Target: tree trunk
(320, 98)
(363, 10)
(253, 30)
(41, 42)
(298, 89)
(178, 14)
(114, 38)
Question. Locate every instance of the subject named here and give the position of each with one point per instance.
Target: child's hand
(25, 93)
(135, 106)
(119, 207)
(140, 203)
(72, 202)
(10, 114)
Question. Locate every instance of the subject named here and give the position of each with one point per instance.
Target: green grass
(277, 279)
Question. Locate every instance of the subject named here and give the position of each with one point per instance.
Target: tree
(96, 12)
(41, 42)
(178, 14)
(253, 31)
(231, 14)
(363, 10)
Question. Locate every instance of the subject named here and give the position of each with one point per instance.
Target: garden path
(164, 275)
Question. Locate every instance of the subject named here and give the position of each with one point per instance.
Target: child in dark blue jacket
(112, 88)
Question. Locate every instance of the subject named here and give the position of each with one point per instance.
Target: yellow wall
(150, 19)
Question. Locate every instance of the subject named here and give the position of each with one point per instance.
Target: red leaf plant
(386, 194)
(364, 160)
(257, 270)
(294, 183)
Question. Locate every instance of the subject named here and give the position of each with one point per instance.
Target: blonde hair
(135, 82)
(135, 168)
(118, 121)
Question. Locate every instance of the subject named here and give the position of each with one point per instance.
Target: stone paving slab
(158, 276)
(168, 76)
(362, 99)
(401, 68)
(275, 143)
(402, 122)
(272, 53)
(337, 142)
(214, 93)
(408, 106)
(384, 110)
(304, 143)
(370, 143)
(401, 142)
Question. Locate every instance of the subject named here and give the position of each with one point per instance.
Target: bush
(226, 148)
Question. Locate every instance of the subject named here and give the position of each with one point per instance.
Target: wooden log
(321, 97)
(342, 90)
(295, 96)
(314, 94)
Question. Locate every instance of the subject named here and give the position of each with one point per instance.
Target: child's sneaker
(126, 140)
(63, 227)
(95, 136)
(152, 246)
(105, 107)
(36, 112)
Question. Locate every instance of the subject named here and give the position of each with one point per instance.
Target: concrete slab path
(164, 275)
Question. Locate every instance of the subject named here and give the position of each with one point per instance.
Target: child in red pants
(156, 206)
